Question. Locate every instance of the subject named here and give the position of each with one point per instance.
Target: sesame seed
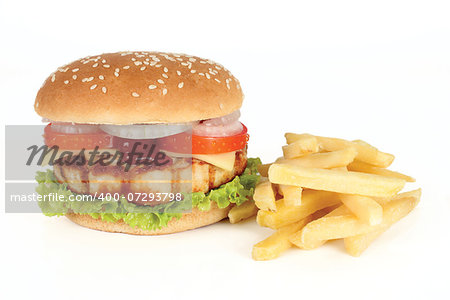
(90, 78)
(117, 70)
(66, 81)
(93, 86)
(104, 90)
(193, 71)
(106, 66)
(116, 74)
(203, 62)
(180, 85)
(126, 67)
(179, 73)
(201, 74)
(134, 94)
(75, 70)
(103, 61)
(166, 70)
(228, 86)
(217, 80)
(208, 76)
(165, 76)
(161, 81)
(143, 68)
(164, 92)
(146, 63)
(53, 77)
(95, 65)
(101, 77)
(74, 77)
(133, 59)
(192, 59)
(137, 63)
(158, 66)
(179, 59)
(221, 106)
(152, 87)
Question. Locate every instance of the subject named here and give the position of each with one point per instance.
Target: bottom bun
(188, 221)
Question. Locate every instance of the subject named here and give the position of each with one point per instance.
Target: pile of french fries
(325, 189)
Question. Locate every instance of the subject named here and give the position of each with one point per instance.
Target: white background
(375, 70)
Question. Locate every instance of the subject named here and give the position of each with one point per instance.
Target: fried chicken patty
(173, 178)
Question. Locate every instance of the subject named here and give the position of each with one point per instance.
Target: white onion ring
(149, 131)
(227, 119)
(218, 131)
(217, 127)
(70, 128)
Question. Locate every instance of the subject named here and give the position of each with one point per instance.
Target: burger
(143, 143)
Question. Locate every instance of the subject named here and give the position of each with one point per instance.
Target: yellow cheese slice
(221, 160)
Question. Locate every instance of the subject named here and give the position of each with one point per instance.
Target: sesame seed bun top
(138, 87)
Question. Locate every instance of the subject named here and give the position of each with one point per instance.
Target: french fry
(264, 169)
(278, 242)
(385, 200)
(347, 225)
(366, 152)
(355, 245)
(359, 166)
(369, 154)
(264, 195)
(292, 195)
(344, 181)
(335, 181)
(327, 160)
(312, 201)
(342, 169)
(341, 210)
(244, 211)
(365, 209)
(296, 239)
(303, 145)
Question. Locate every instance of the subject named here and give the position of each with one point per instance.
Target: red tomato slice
(195, 144)
(77, 141)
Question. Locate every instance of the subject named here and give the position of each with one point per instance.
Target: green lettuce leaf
(237, 191)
